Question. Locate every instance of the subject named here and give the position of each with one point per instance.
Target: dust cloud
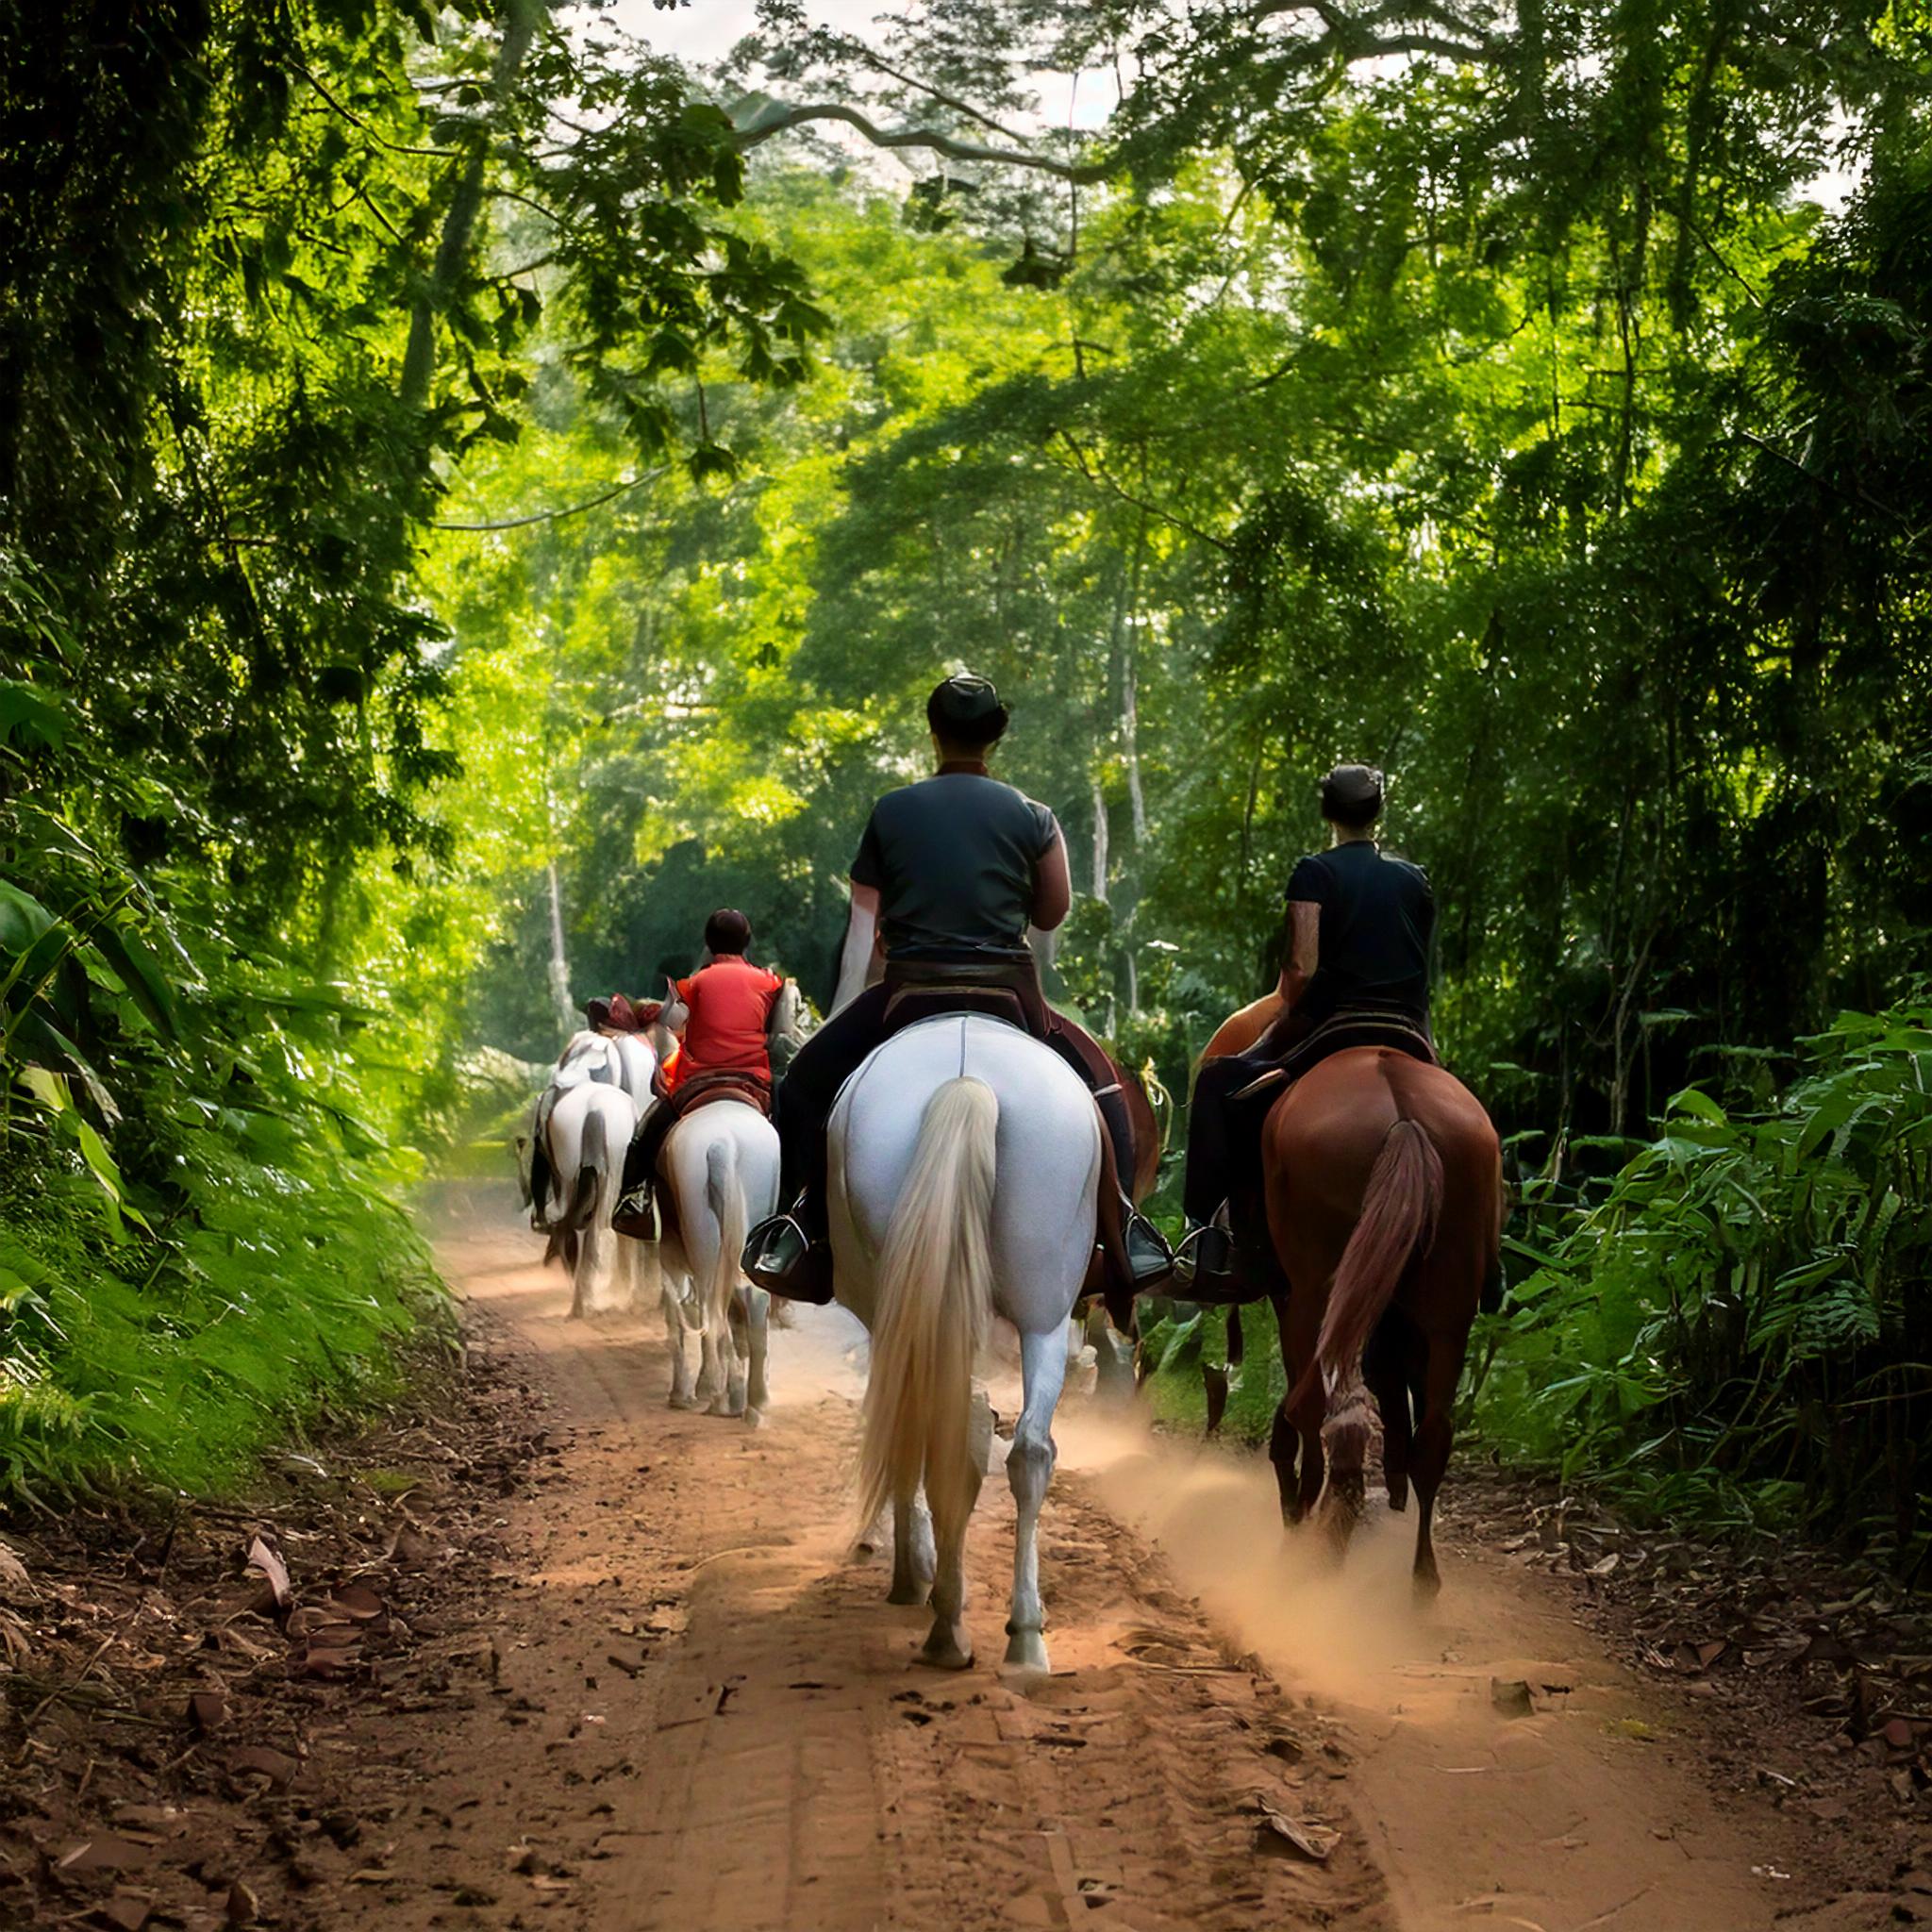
(1341, 1631)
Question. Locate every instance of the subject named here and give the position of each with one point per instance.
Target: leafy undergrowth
(1182, 1338)
(1737, 1335)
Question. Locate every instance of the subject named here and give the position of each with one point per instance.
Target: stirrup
(783, 1260)
(1205, 1256)
(1150, 1259)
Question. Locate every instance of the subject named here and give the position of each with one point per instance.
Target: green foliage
(1741, 1321)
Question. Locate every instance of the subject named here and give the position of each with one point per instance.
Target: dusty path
(698, 1712)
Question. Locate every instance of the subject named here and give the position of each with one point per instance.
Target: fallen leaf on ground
(276, 1766)
(16, 1586)
(208, 1710)
(127, 1910)
(103, 1852)
(274, 1572)
(357, 1601)
(1278, 1832)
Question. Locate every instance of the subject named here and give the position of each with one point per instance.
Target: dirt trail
(701, 1713)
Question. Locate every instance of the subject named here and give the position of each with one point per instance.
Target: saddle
(725, 1083)
(1339, 1033)
(1005, 989)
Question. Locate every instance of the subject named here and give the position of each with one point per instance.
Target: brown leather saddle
(1000, 988)
(725, 1083)
(1339, 1033)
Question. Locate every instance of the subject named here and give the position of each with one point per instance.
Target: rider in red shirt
(729, 1006)
(728, 1015)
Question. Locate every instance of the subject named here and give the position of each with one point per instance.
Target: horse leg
(1029, 1470)
(1435, 1431)
(947, 1646)
(737, 1351)
(1385, 1370)
(672, 1304)
(913, 1558)
(1283, 1440)
(757, 1318)
(1346, 1434)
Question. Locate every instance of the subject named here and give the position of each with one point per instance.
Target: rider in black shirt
(1360, 931)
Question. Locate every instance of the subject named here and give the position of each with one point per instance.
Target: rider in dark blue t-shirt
(949, 874)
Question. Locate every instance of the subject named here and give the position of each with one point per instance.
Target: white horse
(964, 1161)
(585, 1134)
(721, 1164)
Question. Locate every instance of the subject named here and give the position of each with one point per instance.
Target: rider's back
(1378, 919)
(730, 1003)
(953, 858)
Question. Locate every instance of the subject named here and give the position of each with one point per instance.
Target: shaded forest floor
(549, 1653)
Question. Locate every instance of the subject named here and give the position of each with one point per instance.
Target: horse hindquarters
(1399, 1211)
(933, 1306)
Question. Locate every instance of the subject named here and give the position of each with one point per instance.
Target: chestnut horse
(1382, 1180)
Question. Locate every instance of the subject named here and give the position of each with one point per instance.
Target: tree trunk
(1100, 838)
(560, 961)
(520, 19)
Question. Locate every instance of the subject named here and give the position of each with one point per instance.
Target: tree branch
(1098, 476)
(1358, 36)
(862, 52)
(551, 516)
(771, 117)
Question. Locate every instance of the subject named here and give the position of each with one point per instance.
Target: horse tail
(1400, 1208)
(725, 1192)
(593, 1157)
(934, 1302)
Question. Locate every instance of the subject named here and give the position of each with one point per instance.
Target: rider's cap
(967, 706)
(598, 1013)
(1352, 794)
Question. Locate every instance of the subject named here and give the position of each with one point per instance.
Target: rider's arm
(1052, 885)
(861, 937)
(1303, 950)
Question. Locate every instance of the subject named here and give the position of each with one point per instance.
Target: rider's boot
(786, 1258)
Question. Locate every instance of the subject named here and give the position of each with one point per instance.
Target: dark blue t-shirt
(953, 858)
(1378, 924)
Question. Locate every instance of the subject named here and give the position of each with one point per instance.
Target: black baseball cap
(967, 709)
(1352, 794)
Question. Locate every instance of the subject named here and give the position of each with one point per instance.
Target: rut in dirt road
(699, 1713)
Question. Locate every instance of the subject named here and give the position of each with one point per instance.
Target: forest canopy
(476, 492)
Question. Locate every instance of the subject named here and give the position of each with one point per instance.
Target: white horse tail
(593, 1157)
(725, 1192)
(934, 1302)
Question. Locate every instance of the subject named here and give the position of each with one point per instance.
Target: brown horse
(1382, 1177)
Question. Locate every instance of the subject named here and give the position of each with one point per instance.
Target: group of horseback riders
(950, 875)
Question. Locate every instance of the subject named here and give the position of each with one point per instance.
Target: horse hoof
(945, 1650)
(753, 1418)
(1027, 1653)
(1427, 1586)
(911, 1592)
(719, 1404)
(677, 1399)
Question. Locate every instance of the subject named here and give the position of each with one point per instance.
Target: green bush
(1741, 1328)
